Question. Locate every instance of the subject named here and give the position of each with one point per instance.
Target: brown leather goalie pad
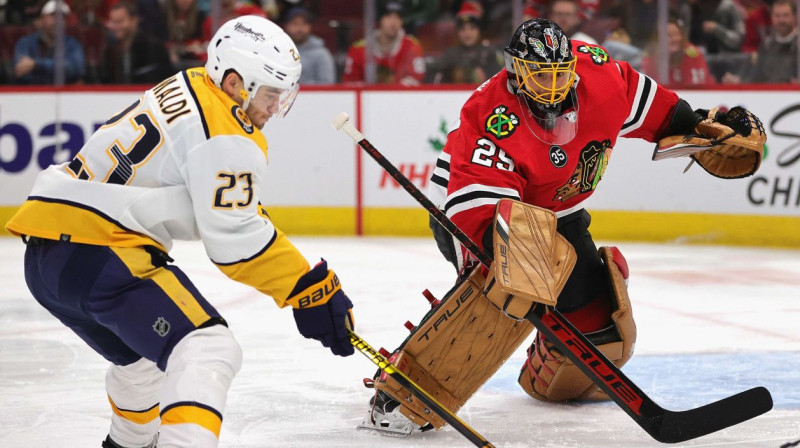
(457, 347)
(532, 260)
(479, 324)
(549, 376)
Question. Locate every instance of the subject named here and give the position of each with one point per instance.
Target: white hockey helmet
(261, 53)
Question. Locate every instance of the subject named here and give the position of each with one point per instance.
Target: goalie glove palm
(321, 309)
(728, 145)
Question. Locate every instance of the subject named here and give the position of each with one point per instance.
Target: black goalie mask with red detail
(541, 72)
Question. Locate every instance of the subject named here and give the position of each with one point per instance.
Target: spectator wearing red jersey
(398, 57)
(687, 65)
(757, 24)
(230, 9)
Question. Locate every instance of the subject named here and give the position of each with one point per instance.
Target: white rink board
(312, 165)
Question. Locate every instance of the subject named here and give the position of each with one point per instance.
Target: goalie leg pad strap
(548, 375)
(455, 350)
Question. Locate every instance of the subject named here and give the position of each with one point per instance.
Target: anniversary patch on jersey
(500, 124)
(243, 119)
(592, 164)
(599, 55)
(557, 156)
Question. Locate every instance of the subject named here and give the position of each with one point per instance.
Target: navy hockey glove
(321, 309)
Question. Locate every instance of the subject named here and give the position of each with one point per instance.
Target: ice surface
(712, 321)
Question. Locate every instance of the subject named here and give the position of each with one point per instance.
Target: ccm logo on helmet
(246, 30)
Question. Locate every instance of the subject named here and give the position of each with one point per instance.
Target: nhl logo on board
(557, 156)
(161, 327)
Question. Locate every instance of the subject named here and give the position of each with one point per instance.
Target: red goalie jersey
(494, 154)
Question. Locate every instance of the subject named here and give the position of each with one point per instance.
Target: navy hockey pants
(126, 303)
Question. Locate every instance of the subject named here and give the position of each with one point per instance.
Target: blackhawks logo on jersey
(500, 124)
(592, 164)
(599, 55)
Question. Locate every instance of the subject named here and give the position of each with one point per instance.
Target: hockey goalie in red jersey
(540, 133)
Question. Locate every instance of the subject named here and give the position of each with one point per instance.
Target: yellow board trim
(192, 414)
(138, 417)
(688, 228)
(140, 264)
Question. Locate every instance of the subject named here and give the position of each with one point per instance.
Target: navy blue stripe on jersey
(193, 404)
(197, 103)
(257, 254)
(84, 207)
(119, 116)
(642, 102)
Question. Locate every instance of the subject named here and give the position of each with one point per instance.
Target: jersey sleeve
(650, 105)
(223, 176)
(480, 174)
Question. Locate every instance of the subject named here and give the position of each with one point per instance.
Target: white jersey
(182, 162)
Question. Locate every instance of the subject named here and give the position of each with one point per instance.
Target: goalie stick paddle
(427, 399)
(662, 424)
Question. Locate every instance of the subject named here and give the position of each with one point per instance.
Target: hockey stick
(662, 424)
(427, 399)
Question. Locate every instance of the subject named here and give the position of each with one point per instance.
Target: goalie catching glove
(321, 309)
(728, 145)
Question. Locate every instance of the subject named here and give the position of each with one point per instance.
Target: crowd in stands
(414, 41)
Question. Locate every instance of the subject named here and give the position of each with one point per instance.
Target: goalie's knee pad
(454, 350)
(548, 375)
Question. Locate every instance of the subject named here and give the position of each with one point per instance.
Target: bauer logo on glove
(729, 145)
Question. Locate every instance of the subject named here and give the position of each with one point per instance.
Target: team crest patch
(500, 124)
(592, 164)
(161, 327)
(599, 55)
(243, 119)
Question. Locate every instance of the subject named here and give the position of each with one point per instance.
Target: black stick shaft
(427, 399)
(663, 425)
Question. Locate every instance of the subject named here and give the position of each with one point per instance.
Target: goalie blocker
(462, 342)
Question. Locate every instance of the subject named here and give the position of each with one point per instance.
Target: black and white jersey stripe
(476, 195)
(645, 93)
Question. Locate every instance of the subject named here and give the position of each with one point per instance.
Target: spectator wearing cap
(34, 54)
(398, 57)
(132, 57)
(318, 66)
(473, 60)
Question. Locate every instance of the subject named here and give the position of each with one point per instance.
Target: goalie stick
(663, 425)
(427, 399)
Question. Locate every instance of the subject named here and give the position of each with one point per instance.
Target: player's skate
(384, 417)
(108, 443)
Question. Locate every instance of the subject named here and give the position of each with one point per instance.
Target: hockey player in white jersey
(187, 160)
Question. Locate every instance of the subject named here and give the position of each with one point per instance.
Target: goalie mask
(263, 55)
(541, 72)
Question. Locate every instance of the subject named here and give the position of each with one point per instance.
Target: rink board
(320, 183)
